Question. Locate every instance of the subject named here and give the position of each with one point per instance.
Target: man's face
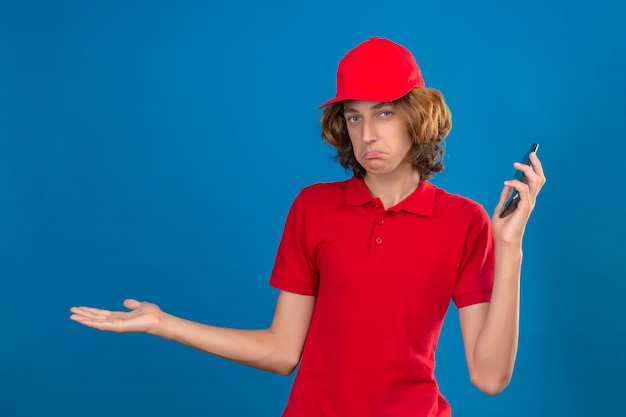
(379, 135)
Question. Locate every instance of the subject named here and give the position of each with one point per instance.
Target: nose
(369, 132)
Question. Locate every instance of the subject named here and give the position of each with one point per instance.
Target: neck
(394, 187)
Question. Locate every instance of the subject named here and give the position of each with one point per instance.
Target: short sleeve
(474, 281)
(294, 268)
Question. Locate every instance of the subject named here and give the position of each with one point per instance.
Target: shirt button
(376, 207)
(381, 221)
(379, 240)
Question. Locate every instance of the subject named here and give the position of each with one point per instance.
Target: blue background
(152, 149)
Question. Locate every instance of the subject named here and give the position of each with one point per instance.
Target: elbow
(493, 389)
(282, 361)
(275, 363)
(286, 366)
(285, 371)
(491, 384)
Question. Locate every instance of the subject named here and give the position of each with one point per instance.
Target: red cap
(376, 70)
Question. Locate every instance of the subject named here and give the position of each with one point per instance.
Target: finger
(532, 169)
(97, 318)
(538, 168)
(505, 194)
(96, 324)
(132, 304)
(90, 311)
(525, 168)
(524, 193)
(531, 177)
(83, 320)
(535, 162)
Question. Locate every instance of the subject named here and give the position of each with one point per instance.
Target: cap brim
(389, 97)
(334, 100)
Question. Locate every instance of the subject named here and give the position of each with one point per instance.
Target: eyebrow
(374, 107)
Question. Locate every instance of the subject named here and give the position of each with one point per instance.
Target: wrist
(159, 324)
(509, 252)
(509, 261)
(509, 245)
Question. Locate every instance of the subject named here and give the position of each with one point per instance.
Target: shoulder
(323, 193)
(318, 201)
(447, 203)
(323, 187)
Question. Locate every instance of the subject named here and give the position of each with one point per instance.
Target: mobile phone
(511, 203)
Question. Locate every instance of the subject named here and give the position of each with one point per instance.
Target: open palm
(142, 317)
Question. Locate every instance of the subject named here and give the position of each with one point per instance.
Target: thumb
(132, 304)
(504, 196)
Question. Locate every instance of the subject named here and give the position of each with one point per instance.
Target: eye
(385, 113)
(353, 119)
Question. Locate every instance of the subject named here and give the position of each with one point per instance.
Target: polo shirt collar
(421, 201)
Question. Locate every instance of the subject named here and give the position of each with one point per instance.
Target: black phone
(511, 203)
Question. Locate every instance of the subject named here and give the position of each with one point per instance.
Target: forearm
(496, 345)
(260, 349)
(491, 330)
(276, 349)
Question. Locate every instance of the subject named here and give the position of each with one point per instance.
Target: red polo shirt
(383, 280)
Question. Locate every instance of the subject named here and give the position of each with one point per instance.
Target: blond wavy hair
(428, 120)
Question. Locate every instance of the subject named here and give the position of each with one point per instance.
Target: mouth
(372, 154)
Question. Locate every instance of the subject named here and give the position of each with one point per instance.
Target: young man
(367, 267)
